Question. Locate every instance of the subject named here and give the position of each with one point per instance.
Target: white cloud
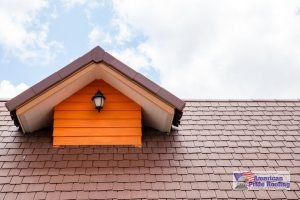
(23, 35)
(124, 32)
(219, 49)
(117, 34)
(8, 90)
(69, 4)
(98, 36)
(134, 57)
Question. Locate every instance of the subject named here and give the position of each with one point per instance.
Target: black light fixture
(98, 100)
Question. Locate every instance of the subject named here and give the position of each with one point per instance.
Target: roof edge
(241, 100)
(4, 99)
(216, 100)
(96, 55)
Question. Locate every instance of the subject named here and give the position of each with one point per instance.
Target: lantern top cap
(98, 94)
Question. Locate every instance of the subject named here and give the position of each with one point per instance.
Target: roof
(96, 55)
(214, 139)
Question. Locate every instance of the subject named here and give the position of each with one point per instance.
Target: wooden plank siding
(77, 122)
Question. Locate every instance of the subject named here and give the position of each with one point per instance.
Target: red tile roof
(214, 139)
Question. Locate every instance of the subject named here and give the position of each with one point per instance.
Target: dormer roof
(95, 64)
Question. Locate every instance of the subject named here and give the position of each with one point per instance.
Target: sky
(196, 49)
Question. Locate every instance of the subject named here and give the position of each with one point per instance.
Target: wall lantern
(98, 100)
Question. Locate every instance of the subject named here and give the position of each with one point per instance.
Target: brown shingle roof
(215, 138)
(98, 55)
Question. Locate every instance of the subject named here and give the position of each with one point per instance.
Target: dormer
(63, 100)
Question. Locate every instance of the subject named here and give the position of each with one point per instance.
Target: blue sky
(195, 49)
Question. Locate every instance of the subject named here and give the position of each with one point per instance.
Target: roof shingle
(197, 161)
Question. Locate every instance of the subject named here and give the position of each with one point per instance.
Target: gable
(156, 112)
(33, 109)
(76, 122)
(96, 56)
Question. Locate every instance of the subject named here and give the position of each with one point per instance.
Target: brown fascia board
(145, 82)
(98, 55)
(20, 99)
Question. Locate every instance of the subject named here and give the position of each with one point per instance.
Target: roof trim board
(41, 107)
(97, 55)
(155, 110)
(54, 89)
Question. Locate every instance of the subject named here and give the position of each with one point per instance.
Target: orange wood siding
(77, 122)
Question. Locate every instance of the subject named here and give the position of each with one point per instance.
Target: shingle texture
(195, 162)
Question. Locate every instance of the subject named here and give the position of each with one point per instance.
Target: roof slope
(97, 55)
(215, 138)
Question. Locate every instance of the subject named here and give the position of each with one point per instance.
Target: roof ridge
(97, 55)
(241, 100)
(217, 100)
